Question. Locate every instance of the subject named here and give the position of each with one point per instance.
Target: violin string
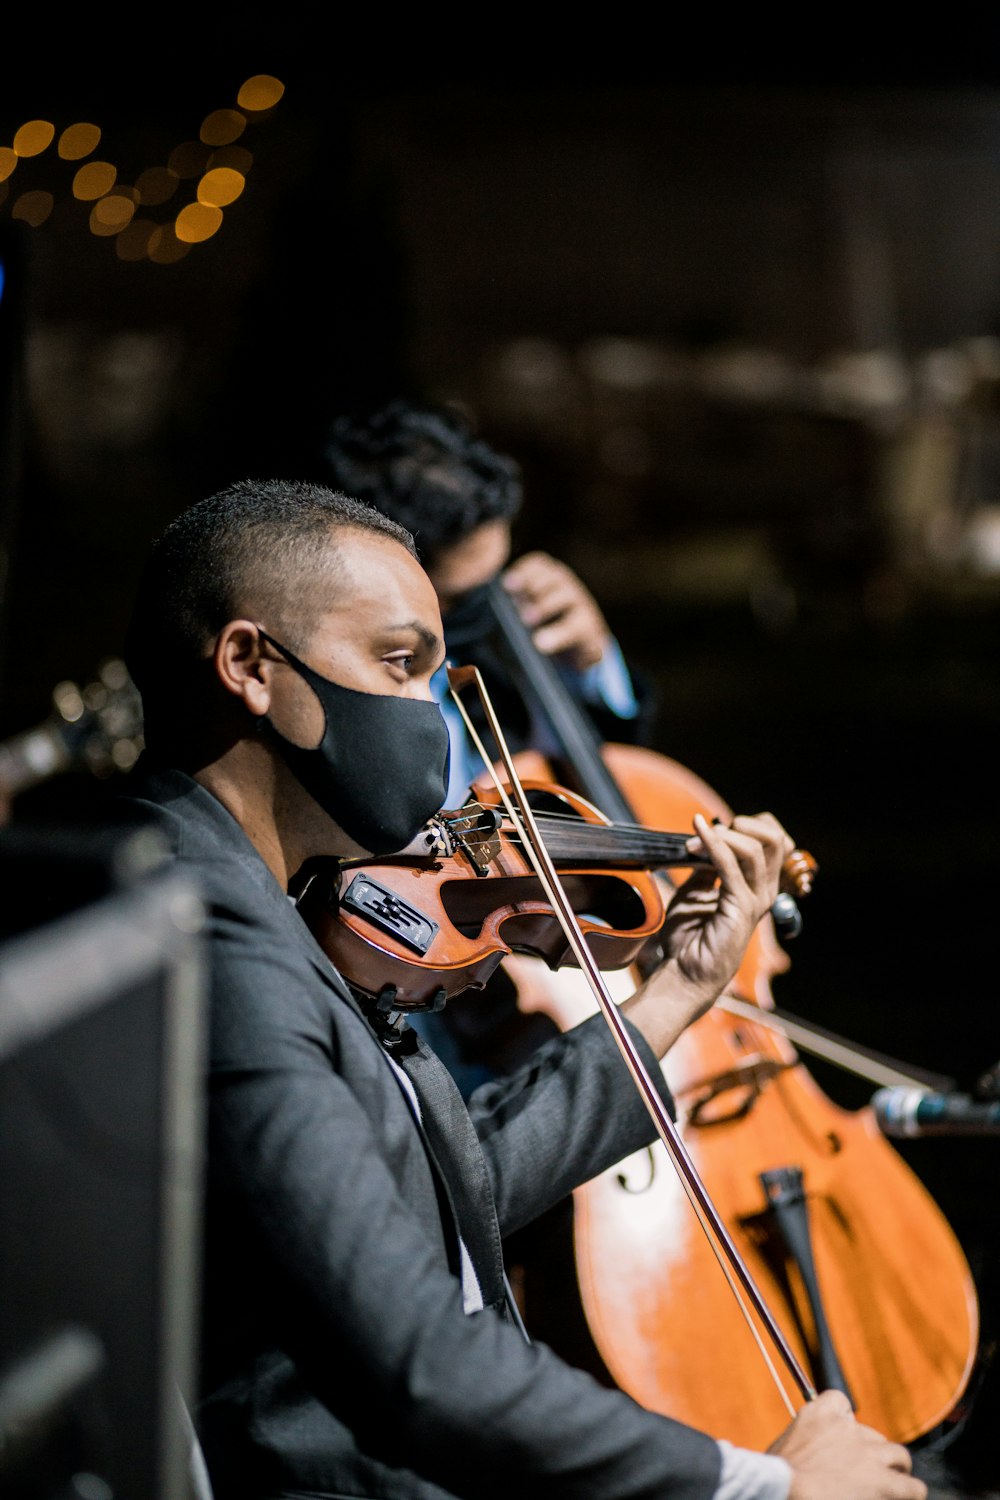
(603, 840)
(584, 832)
(571, 820)
(648, 852)
(719, 1238)
(601, 851)
(577, 821)
(648, 855)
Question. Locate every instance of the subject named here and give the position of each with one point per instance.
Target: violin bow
(729, 1258)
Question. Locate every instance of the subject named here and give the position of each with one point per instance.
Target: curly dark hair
(425, 468)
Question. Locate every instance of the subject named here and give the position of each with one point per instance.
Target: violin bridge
(475, 832)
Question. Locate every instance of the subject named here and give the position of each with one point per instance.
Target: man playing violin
(426, 468)
(357, 1335)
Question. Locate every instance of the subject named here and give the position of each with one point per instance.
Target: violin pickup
(389, 913)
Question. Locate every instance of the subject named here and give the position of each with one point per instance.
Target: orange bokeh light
(34, 208)
(260, 92)
(33, 137)
(79, 140)
(94, 180)
(197, 222)
(111, 214)
(221, 187)
(222, 127)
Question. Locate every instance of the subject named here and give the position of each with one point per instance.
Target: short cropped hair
(425, 468)
(250, 550)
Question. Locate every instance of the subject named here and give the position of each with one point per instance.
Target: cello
(862, 1270)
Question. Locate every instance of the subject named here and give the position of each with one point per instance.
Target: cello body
(885, 1283)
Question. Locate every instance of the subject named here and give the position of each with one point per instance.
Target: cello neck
(552, 701)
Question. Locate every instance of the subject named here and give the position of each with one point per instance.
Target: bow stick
(726, 1253)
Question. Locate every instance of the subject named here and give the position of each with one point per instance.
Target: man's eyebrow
(431, 641)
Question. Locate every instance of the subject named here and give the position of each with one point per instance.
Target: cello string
(719, 1238)
(831, 1049)
(862, 1062)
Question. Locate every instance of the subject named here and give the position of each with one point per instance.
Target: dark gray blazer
(337, 1357)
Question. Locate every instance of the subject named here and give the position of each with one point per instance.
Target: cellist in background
(427, 469)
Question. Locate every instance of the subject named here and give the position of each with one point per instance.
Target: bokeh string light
(119, 211)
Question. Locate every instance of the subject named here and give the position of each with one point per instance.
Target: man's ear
(242, 667)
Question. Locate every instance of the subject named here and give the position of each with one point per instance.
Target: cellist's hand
(833, 1456)
(563, 616)
(710, 922)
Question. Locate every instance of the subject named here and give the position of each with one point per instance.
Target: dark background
(730, 295)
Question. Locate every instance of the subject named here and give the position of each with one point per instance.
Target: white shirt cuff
(747, 1475)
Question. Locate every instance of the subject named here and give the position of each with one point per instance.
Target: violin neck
(628, 847)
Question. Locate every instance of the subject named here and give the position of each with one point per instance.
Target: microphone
(910, 1112)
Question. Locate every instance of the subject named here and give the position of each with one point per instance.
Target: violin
(414, 929)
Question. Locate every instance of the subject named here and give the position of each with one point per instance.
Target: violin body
(895, 1290)
(430, 926)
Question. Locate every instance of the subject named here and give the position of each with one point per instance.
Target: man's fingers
(739, 857)
(765, 826)
(531, 574)
(554, 604)
(901, 1459)
(573, 631)
(537, 578)
(753, 838)
(558, 608)
(826, 1404)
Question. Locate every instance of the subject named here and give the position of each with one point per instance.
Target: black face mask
(470, 621)
(381, 768)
